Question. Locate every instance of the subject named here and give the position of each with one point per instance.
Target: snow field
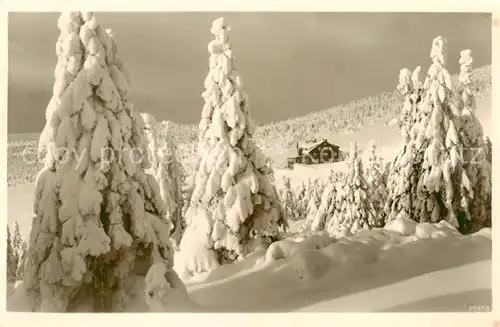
(299, 273)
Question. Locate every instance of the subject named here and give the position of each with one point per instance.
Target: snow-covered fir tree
(375, 178)
(403, 173)
(269, 170)
(443, 190)
(304, 205)
(20, 247)
(326, 208)
(489, 155)
(98, 216)
(23, 252)
(287, 199)
(166, 169)
(301, 200)
(475, 151)
(433, 158)
(325, 202)
(234, 208)
(148, 125)
(313, 198)
(170, 175)
(354, 210)
(332, 177)
(12, 259)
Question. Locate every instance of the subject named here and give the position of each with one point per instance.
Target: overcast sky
(291, 63)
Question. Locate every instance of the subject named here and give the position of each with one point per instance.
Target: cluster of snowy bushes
(443, 171)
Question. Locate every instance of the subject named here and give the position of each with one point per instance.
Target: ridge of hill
(23, 164)
(350, 116)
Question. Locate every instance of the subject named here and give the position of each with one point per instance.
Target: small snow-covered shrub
(403, 225)
(281, 250)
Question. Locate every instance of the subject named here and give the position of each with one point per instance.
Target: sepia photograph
(251, 162)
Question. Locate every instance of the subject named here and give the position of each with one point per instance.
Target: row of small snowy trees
(353, 200)
(298, 203)
(443, 171)
(310, 200)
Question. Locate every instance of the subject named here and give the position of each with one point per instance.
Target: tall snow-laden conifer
(410, 87)
(233, 207)
(170, 175)
(166, 169)
(443, 188)
(475, 150)
(403, 173)
(440, 151)
(98, 216)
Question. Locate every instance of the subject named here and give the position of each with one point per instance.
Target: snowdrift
(314, 272)
(317, 273)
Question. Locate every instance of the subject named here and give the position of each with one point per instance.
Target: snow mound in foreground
(302, 265)
(311, 256)
(195, 256)
(402, 225)
(309, 264)
(160, 291)
(352, 251)
(443, 228)
(288, 247)
(313, 263)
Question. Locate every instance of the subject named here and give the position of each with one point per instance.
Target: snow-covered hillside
(378, 270)
(388, 139)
